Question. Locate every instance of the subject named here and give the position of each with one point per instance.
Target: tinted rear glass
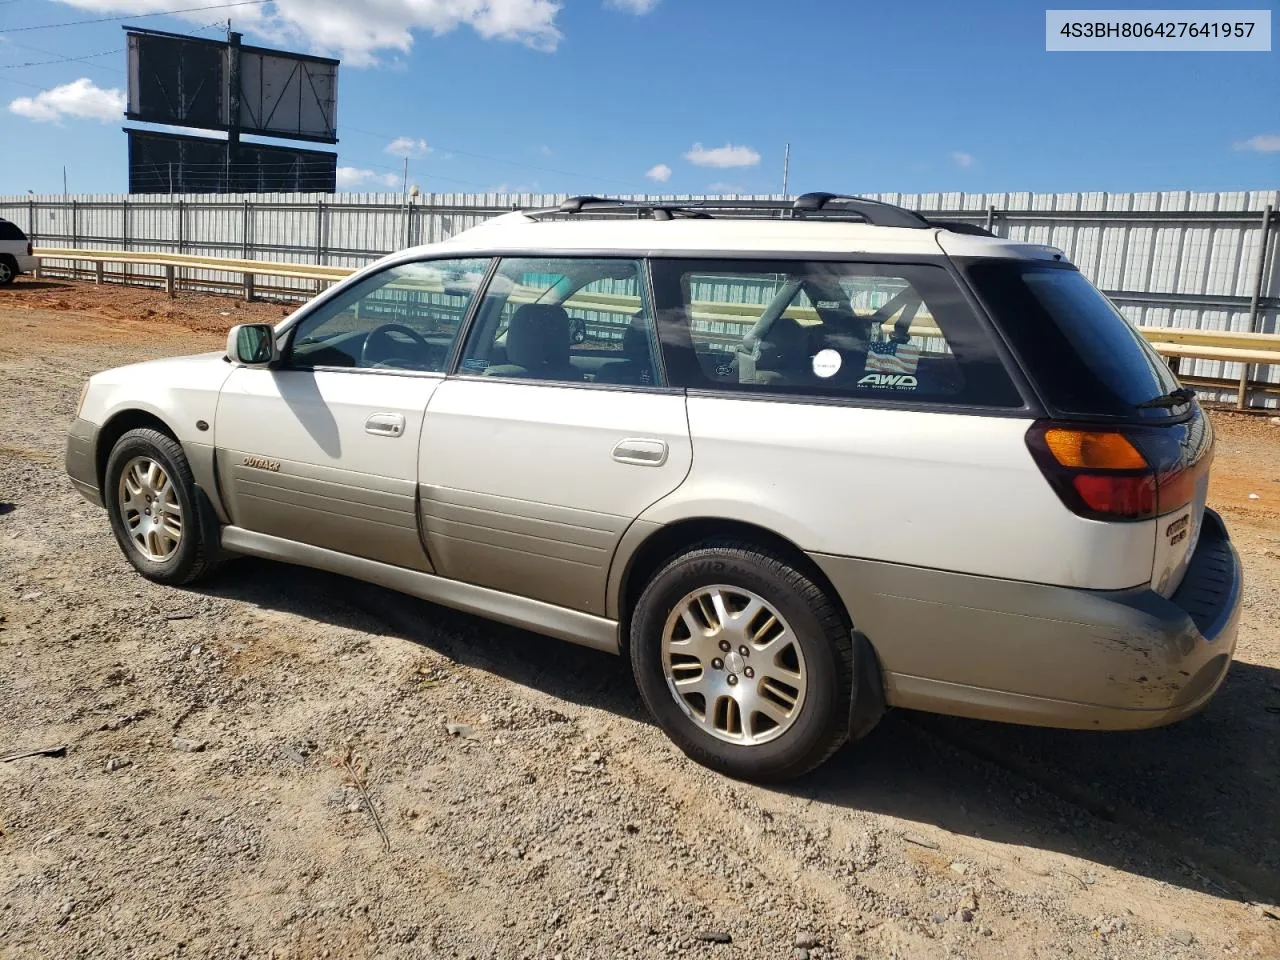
(11, 231)
(1082, 354)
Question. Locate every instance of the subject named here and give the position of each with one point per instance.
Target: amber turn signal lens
(1093, 450)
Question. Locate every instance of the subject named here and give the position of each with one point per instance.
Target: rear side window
(881, 331)
(11, 231)
(1083, 355)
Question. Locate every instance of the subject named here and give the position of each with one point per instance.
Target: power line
(56, 53)
(42, 63)
(136, 16)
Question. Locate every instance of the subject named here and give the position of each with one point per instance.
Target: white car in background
(15, 253)
(796, 468)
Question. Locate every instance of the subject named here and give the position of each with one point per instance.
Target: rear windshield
(11, 231)
(1082, 354)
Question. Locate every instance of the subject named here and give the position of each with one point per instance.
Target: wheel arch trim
(143, 416)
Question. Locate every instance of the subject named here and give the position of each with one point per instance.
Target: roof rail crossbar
(875, 212)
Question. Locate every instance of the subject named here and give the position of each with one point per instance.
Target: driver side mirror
(252, 345)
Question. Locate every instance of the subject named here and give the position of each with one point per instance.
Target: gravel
(531, 808)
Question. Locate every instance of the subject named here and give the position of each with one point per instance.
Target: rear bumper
(81, 464)
(27, 264)
(1049, 656)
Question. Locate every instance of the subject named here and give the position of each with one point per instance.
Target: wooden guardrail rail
(1172, 342)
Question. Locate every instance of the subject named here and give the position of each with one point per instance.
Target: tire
(159, 558)
(821, 654)
(8, 271)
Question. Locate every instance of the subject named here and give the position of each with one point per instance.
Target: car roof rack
(827, 206)
(875, 212)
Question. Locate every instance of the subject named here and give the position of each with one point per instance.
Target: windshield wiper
(1174, 398)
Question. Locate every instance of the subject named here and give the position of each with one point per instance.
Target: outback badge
(261, 463)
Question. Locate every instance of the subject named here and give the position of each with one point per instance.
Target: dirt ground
(264, 766)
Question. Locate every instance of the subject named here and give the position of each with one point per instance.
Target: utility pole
(64, 181)
(786, 170)
(406, 179)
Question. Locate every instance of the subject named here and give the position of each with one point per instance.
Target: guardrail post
(39, 267)
(169, 279)
(97, 272)
(1242, 395)
(248, 287)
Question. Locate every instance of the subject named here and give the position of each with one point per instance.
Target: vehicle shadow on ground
(1193, 804)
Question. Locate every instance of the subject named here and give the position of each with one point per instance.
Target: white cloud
(660, 173)
(962, 159)
(407, 147)
(638, 7)
(726, 156)
(544, 150)
(79, 98)
(1262, 143)
(358, 30)
(349, 178)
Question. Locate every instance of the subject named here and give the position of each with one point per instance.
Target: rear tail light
(1123, 474)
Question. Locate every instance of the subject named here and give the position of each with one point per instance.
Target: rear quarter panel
(947, 491)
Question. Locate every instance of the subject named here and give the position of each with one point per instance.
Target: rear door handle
(385, 425)
(641, 452)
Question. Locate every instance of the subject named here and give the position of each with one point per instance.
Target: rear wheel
(744, 661)
(156, 514)
(8, 271)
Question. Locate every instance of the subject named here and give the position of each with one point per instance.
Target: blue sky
(687, 96)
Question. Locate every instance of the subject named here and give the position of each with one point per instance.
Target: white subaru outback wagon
(797, 465)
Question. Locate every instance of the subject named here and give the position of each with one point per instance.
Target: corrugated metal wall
(1168, 259)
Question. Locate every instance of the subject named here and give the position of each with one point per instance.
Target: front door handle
(385, 425)
(641, 452)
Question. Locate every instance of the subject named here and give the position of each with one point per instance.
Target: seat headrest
(635, 339)
(788, 340)
(538, 336)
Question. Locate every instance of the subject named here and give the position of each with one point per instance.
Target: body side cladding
(1043, 654)
(585, 629)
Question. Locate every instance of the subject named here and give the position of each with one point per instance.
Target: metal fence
(1183, 260)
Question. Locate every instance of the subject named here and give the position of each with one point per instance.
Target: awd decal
(261, 463)
(1178, 530)
(898, 381)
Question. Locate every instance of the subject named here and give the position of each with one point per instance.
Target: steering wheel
(369, 357)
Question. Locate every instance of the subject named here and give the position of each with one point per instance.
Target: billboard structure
(178, 163)
(227, 86)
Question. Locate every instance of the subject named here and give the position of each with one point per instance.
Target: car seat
(537, 345)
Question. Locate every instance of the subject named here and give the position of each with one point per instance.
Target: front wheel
(156, 515)
(744, 661)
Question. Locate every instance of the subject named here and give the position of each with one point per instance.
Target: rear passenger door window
(894, 332)
(579, 320)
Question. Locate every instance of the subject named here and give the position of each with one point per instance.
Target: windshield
(1084, 356)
